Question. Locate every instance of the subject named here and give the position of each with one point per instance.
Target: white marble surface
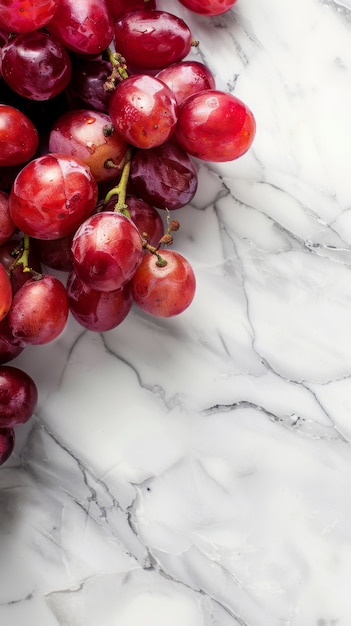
(197, 471)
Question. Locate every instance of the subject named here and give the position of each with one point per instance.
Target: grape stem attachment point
(120, 190)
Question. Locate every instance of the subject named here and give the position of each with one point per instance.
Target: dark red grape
(18, 136)
(164, 291)
(86, 87)
(24, 16)
(39, 311)
(186, 78)
(9, 346)
(215, 126)
(143, 110)
(152, 39)
(7, 443)
(35, 65)
(56, 253)
(106, 250)
(84, 26)
(10, 252)
(18, 396)
(120, 7)
(52, 195)
(98, 311)
(165, 176)
(90, 136)
(5, 292)
(208, 7)
(144, 216)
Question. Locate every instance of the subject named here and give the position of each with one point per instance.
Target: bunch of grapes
(102, 118)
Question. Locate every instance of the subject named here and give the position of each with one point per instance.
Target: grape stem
(119, 70)
(23, 259)
(120, 190)
(166, 240)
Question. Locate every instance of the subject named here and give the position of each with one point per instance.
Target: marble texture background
(196, 471)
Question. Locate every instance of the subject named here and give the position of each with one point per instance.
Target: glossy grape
(98, 311)
(152, 39)
(86, 87)
(208, 7)
(23, 16)
(18, 136)
(106, 250)
(84, 26)
(165, 176)
(164, 291)
(52, 195)
(186, 78)
(39, 310)
(7, 443)
(18, 396)
(143, 110)
(215, 126)
(36, 66)
(89, 135)
(5, 292)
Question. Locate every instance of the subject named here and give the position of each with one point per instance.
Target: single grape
(7, 443)
(18, 136)
(164, 291)
(208, 7)
(186, 78)
(86, 87)
(7, 226)
(215, 126)
(144, 216)
(9, 346)
(35, 65)
(84, 26)
(143, 111)
(5, 292)
(164, 176)
(106, 250)
(98, 311)
(152, 39)
(52, 195)
(39, 310)
(90, 136)
(118, 8)
(23, 16)
(18, 396)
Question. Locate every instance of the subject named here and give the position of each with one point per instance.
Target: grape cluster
(102, 118)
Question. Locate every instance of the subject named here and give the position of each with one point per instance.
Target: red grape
(52, 195)
(7, 226)
(152, 39)
(39, 310)
(98, 311)
(18, 136)
(208, 7)
(186, 78)
(56, 253)
(5, 292)
(89, 135)
(144, 216)
(86, 86)
(36, 66)
(164, 291)
(84, 26)
(7, 443)
(143, 110)
(23, 16)
(18, 396)
(215, 126)
(164, 176)
(106, 250)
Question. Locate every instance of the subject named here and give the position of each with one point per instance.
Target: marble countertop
(196, 471)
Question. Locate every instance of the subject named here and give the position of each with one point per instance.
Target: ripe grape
(164, 291)
(35, 65)
(98, 311)
(5, 292)
(18, 396)
(39, 310)
(143, 110)
(52, 195)
(152, 39)
(86, 87)
(84, 26)
(18, 136)
(164, 176)
(23, 16)
(106, 250)
(89, 135)
(208, 7)
(7, 443)
(186, 78)
(215, 126)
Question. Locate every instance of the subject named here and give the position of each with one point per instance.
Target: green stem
(120, 190)
(23, 259)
